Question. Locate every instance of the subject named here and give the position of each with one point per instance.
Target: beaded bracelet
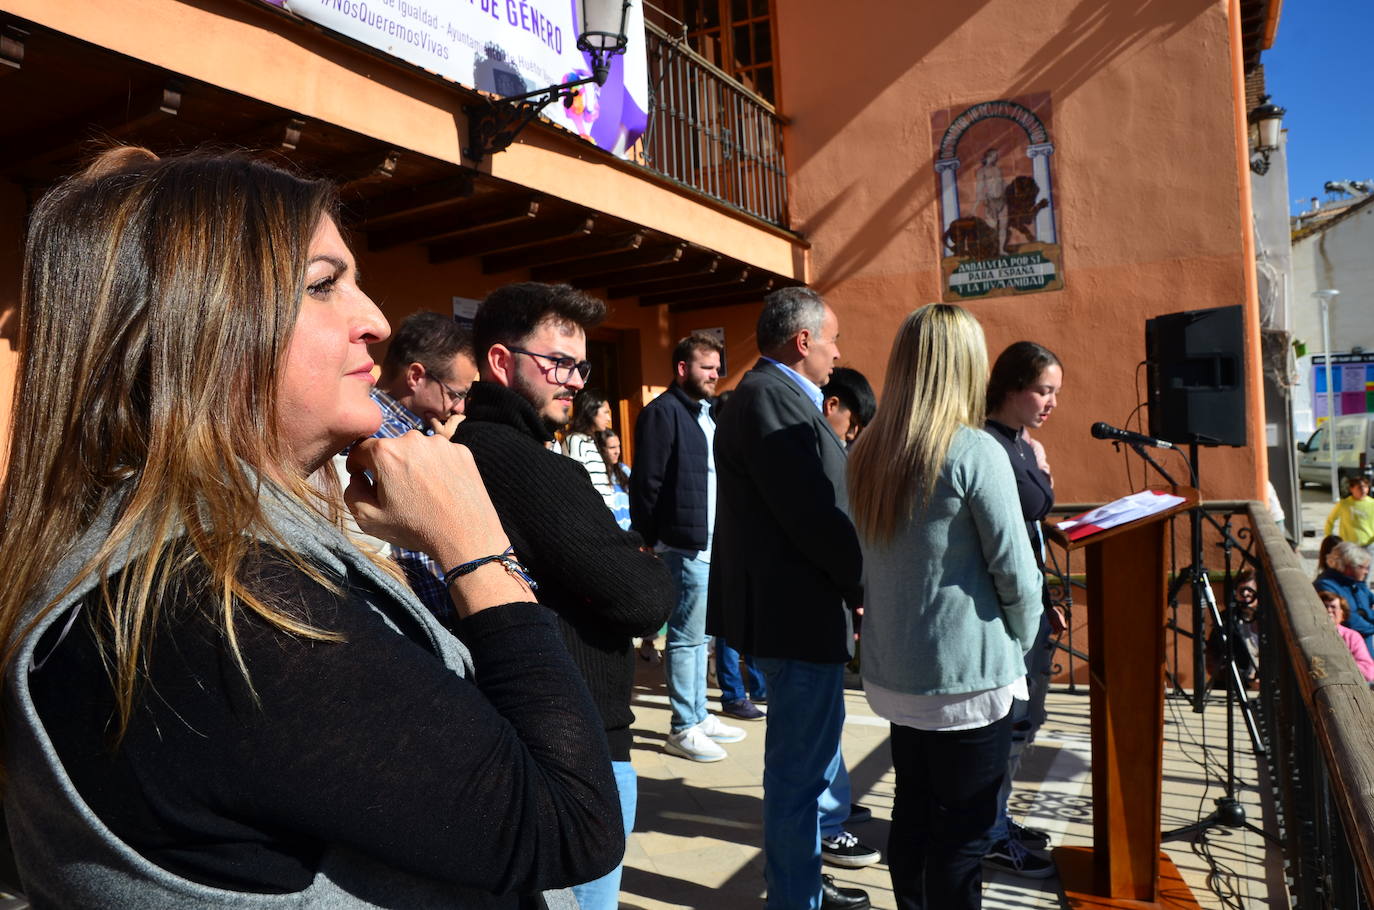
(507, 561)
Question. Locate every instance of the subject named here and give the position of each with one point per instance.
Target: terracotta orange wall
(1148, 186)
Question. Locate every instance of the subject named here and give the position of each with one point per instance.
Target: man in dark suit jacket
(784, 577)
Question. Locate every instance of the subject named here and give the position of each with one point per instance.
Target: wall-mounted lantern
(1266, 123)
(494, 124)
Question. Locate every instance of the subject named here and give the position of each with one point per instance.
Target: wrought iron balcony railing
(710, 133)
(1315, 712)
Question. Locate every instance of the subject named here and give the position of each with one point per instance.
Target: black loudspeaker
(1196, 364)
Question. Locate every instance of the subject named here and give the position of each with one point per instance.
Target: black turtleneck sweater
(594, 576)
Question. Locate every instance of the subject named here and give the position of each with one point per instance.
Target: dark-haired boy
(848, 403)
(531, 344)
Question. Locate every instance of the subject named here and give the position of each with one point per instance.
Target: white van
(1354, 452)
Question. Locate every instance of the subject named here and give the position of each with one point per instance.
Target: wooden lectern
(1127, 590)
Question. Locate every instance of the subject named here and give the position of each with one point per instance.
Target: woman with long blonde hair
(951, 602)
(212, 697)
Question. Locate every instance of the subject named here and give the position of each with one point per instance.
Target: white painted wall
(1340, 257)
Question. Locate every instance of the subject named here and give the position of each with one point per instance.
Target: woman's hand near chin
(425, 493)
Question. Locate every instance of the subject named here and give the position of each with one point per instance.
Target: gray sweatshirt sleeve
(1001, 528)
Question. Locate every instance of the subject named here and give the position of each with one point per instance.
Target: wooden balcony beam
(568, 250)
(119, 117)
(416, 200)
(754, 295)
(463, 220)
(726, 282)
(512, 237)
(611, 267)
(377, 169)
(12, 39)
(698, 273)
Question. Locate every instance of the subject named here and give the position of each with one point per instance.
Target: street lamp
(494, 124)
(1266, 122)
(1324, 299)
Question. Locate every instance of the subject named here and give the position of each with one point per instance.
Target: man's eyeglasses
(454, 396)
(562, 366)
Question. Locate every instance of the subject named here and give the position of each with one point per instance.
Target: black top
(785, 561)
(371, 743)
(668, 495)
(1032, 486)
(594, 575)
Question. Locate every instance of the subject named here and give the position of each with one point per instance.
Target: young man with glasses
(426, 372)
(531, 343)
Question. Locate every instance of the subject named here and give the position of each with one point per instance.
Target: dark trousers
(945, 802)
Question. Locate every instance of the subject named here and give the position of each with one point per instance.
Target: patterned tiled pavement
(698, 839)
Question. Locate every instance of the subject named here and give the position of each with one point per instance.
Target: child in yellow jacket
(1355, 514)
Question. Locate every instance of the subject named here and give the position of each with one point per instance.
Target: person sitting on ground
(212, 697)
(591, 413)
(1329, 543)
(1353, 517)
(1349, 568)
(1339, 611)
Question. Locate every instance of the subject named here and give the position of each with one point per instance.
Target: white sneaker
(692, 743)
(720, 731)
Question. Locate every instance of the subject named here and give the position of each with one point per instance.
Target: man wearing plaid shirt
(424, 383)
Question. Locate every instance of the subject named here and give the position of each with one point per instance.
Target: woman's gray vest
(69, 859)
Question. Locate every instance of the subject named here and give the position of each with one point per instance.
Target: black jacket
(668, 484)
(785, 562)
(603, 587)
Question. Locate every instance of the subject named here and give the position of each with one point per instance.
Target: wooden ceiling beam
(12, 39)
(749, 296)
(378, 169)
(511, 237)
(571, 249)
(417, 200)
(476, 215)
(612, 267)
(574, 272)
(279, 135)
(726, 282)
(118, 118)
(698, 274)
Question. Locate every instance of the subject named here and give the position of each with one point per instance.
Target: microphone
(1106, 431)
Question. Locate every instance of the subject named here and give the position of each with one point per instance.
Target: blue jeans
(834, 803)
(727, 674)
(801, 760)
(684, 654)
(945, 802)
(604, 892)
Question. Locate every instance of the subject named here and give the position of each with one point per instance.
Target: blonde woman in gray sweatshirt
(952, 602)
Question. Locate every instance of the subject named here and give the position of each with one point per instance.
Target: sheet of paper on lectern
(1118, 512)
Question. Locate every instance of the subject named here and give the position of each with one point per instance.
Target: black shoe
(834, 897)
(858, 814)
(844, 849)
(1009, 856)
(1030, 838)
(743, 709)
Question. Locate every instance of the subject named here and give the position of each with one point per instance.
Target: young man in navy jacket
(672, 506)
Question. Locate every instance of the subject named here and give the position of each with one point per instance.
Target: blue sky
(1321, 69)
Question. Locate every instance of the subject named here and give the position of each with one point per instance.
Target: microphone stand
(1229, 812)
